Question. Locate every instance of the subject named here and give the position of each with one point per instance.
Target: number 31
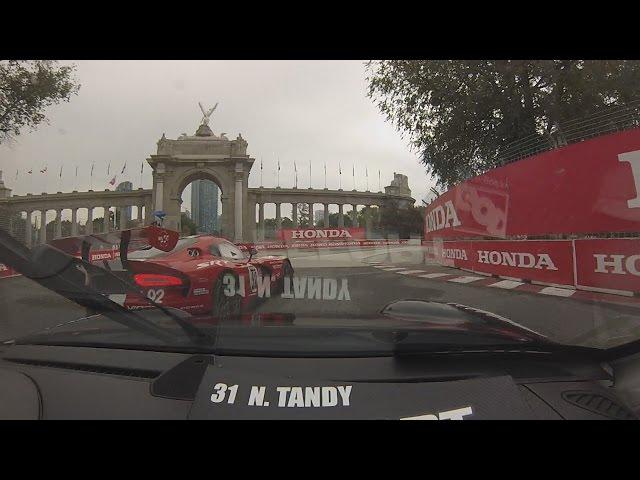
(220, 391)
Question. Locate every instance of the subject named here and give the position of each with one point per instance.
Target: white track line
(508, 284)
(558, 292)
(410, 272)
(392, 269)
(434, 275)
(467, 279)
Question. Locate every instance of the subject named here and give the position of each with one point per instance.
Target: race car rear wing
(111, 245)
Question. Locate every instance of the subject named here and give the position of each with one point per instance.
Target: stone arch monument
(204, 156)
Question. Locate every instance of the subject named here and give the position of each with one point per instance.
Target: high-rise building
(123, 214)
(204, 205)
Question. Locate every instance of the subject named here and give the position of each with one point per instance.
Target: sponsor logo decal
(618, 264)
(517, 259)
(457, 414)
(324, 233)
(442, 217)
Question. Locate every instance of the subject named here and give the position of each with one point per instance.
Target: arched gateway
(176, 164)
(203, 156)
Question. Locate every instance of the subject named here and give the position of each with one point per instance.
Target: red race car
(204, 274)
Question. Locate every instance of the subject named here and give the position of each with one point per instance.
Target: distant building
(204, 205)
(123, 214)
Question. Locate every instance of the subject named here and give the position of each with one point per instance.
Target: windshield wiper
(68, 276)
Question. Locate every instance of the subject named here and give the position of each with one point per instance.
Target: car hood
(401, 326)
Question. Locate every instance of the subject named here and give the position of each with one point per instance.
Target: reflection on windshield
(525, 227)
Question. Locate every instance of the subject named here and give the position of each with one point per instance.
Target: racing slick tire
(224, 306)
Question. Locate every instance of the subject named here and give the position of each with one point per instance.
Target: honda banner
(591, 186)
(322, 234)
(608, 264)
(546, 261)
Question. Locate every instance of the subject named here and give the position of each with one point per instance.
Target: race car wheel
(225, 306)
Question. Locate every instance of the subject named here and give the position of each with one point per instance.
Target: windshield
(376, 207)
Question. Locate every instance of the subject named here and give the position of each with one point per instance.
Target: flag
(92, 165)
(278, 165)
(60, 171)
(112, 181)
(354, 170)
(108, 168)
(295, 169)
(339, 169)
(16, 174)
(123, 168)
(44, 170)
(141, 167)
(30, 171)
(260, 164)
(76, 171)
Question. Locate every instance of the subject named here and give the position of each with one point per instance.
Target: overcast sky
(307, 111)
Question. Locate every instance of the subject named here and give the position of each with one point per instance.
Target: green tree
(403, 222)
(460, 114)
(188, 226)
(27, 88)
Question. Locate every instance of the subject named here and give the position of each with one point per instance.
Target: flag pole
(309, 173)
(325, 175)
(354, 176)
(261, 172)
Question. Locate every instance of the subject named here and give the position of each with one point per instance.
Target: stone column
(105, 220)
(354, 216)
(58, 232)
(294, 214)
(278, 217)
(88, 227)
(43, 226)
(326, 215)
(367, 220)
(140, 215)
(340, 216)
(28, 230)
(74, 222)
(261, 222)
(238, 203)
(311, 222)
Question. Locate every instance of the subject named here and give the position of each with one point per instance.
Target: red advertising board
(591, 186)
(608, 264)
(275, 245)
(321, 234)
(546, 261)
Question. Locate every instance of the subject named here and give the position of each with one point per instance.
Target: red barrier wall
(591, 186)
(608, 264)
(320, 234)
(319, 244)
(545, 261)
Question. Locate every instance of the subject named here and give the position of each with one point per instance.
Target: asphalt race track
(26, 307)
